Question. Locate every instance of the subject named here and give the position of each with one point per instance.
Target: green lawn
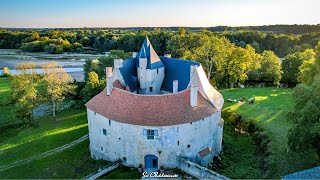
(7, 111)
(269, 111)
(123, 173)
(71, 125)
(24, 142)
(72, 163)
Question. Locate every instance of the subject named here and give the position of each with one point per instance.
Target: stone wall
(199, 171)
(126, 142)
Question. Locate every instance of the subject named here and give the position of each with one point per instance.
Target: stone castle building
(154, 111)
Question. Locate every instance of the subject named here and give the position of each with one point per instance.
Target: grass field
(269, 111)
(72, 163)
(8, 110)
(26, 142)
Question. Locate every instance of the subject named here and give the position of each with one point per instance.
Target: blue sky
(137, 13)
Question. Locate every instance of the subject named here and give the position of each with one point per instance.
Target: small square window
(189, 146)
(150, 133)
(104, 132)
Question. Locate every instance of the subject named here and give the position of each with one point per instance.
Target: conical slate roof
(147, 51)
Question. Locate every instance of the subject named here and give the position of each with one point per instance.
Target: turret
(142, 72)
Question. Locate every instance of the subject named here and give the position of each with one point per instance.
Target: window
(178, 143)
(157, 71)
(95, 113)
(109, 122)
(189, 146)
(150, 133)
(124, 159)
(151, 89)
(177, 129)
(104, 132)
(101, 148)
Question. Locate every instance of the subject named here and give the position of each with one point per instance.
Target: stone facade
(111, 140)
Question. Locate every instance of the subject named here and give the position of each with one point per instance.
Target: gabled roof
(176, 69)
(147, 51)
(130, 108)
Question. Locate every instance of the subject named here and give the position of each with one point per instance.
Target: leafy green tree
(6, 71)
(93, 86)
(309, 70)
(270, 67)
(99, 65)
(305, 117)
(242, 61)
(57, 84)
(292, 62)
(25, 92)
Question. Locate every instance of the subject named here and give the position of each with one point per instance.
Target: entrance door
(151, 161)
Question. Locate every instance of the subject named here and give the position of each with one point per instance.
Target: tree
(6, 71)
(309, 70)
(292, 62)
(25, 92)
(242, 61)
(99, 65)
(57, 84)
(270, 67)
(93, 86)
(305, 117)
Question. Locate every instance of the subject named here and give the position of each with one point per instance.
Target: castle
(154, 111)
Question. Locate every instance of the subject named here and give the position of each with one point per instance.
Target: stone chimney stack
(175, 87)
(134, 54)
(194, 96)
(193, 69)
(167, 55)
(118, 63)
(109, 77)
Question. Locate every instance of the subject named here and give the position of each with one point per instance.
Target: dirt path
(44, 154)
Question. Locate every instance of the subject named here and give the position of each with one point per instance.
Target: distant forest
(281, 39)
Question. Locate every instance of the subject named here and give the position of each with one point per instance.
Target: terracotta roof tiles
(150, 110)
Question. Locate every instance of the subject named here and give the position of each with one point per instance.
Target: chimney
(194, 96)
(192, 70)
(167, 55)
(134, 54)
(109, 77)
(118, 63)
(175, 86)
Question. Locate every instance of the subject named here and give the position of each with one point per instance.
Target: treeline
(281, 44)
(93, 41)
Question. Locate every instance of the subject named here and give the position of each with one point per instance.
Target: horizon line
(123, 27)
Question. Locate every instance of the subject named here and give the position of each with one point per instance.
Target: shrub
(6, 71)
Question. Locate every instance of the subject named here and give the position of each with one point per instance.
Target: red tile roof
(150, 110)
(117, 84)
